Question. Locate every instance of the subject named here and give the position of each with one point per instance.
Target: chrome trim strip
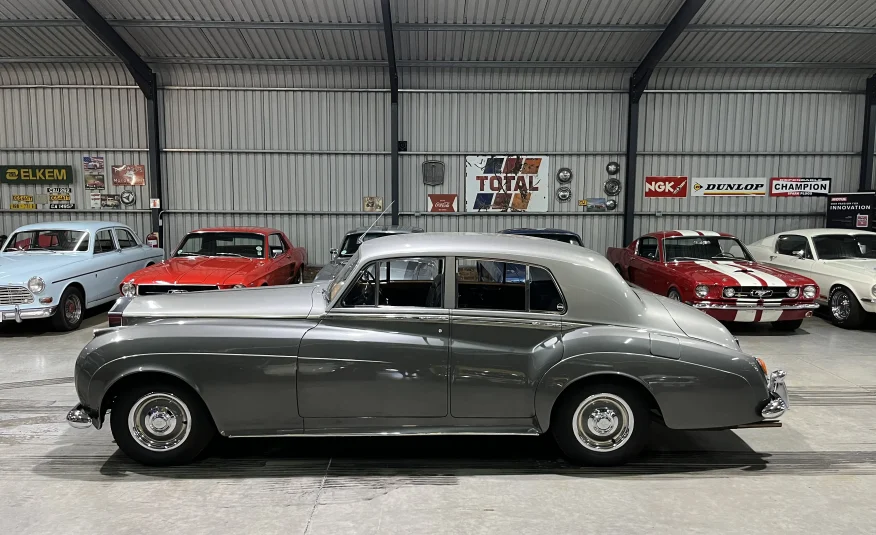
(766, 306)
(368, 315)
(529, 433)
(478, 320)
(19, 314)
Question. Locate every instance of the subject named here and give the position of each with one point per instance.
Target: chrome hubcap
(840, 305)
(674, 296)
(603, 422)
(159, 421)
(72, 309)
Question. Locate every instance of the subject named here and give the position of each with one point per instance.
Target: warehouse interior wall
(298, 148)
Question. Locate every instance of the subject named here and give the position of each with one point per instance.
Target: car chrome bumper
(79, 418)
(19, 314)
(778, 403)
(754, 306)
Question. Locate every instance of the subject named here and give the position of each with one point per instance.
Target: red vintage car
(222, 258)
(713, 271)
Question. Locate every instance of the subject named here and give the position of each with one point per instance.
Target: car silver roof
(593, 289)
(387, 229)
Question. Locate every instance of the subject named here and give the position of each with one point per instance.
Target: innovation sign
(35, 174)
(799, 187)
(729, 187)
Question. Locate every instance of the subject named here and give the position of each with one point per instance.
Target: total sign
(665, 186)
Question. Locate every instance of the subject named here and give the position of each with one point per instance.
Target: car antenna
(361, 238)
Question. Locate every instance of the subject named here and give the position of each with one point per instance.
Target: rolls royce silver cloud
(423, 334)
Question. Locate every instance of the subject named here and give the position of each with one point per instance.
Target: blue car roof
(88, 226)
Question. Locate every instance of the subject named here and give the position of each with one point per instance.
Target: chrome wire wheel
(603, 422)
(159, 421)
(674, 295)
(72, 309)
(840, 305)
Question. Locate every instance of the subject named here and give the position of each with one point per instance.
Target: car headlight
(36, 285)
(729, 292)
(237, 286)
(809, 291)
(873, 290)
(129, 289)
(793, 292)
(702, 290)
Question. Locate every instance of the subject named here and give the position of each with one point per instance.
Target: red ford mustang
(221, 258)
(713, 271)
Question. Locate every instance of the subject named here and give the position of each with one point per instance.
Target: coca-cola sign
(442, 202)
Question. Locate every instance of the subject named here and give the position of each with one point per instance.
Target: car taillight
(116, 319)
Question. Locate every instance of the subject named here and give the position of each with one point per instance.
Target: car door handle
(773, 257)
(428, 318)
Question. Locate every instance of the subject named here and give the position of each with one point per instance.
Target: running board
(759, 425)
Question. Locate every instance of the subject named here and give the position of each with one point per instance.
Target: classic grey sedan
(423, 334)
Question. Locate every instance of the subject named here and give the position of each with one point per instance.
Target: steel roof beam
(393, 116)
(868, 146)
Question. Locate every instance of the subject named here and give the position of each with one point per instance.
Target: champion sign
(729, 187)
(799, 187)
(666, 186)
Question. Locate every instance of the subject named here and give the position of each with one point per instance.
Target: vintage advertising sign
(110, 200)
(594, 204)
(666, 186)
(442, 202)
(94, 198)
(729, 187)
(372, 204)
(781, 186)
(129, 175)
(92, 163)
(506, 183)
(22, 198)
(850, 210)
(35, 174)
(62, 206)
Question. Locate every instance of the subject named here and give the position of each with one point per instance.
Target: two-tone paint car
(350, 244)
(714, 272)
(451, 347)
(57, 270)
(841, 261)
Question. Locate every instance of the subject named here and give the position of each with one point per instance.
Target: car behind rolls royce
(422, 334)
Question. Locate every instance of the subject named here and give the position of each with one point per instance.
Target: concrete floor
(817, 474)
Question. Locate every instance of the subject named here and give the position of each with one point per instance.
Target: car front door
(104, 273)
(793, 253)
(280, 259)
(506, 332)
(381, 351)
(642, 263)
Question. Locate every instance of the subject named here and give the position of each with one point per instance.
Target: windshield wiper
(677, 258)
(231, 254)
(187, 254)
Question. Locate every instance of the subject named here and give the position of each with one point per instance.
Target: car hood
(330, 271)
(725, 273)
(690, 321)
(865, 267)
(17, 268)
(197, 270)
(293, 301)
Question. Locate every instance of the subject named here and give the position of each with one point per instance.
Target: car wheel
(602, 424)
(161, 424)
(791, 325)
(71, 308)
(674, 295)
(845, 310)
(296, 278)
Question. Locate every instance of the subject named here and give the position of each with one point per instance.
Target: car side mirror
(800, 254)
(276, 252)
(333, 253)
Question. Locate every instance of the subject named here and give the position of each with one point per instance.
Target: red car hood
(198, 270)
(738, 273)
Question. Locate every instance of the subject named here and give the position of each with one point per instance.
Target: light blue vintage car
(59, 269)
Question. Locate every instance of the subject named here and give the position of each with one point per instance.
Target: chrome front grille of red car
(159, 289)
(762, 292)
(15, 295)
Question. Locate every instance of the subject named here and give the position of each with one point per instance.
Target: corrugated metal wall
(59, 124)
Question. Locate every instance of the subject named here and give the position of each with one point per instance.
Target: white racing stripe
(708, 233)
(771, 280)
(686, 232)
(745, 315)
(771, 315)
(743, 279)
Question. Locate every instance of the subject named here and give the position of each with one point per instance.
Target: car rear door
(506, 332)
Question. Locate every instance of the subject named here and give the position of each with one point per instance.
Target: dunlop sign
(35, 174)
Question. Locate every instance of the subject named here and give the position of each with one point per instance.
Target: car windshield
(351, 242)
(232, 244)
(340, 279)
(704, 248)
(48, 240)
(839, 246)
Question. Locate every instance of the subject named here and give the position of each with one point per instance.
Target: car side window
(126, 239)
(793, 245)
(276, 245)
(544, 296)
(496, 285)
(647, 248)
(103, 242)
(399, 282)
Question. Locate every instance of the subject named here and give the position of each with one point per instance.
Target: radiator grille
(762, 292)
(15, 295)
(158, 289)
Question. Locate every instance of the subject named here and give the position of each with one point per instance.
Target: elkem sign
(35, 174)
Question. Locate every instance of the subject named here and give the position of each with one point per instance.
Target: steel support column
(868, 147)
(145, 78)
(638, 84)
(393, 113)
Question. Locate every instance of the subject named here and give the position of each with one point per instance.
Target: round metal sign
(128, 197)
(564, 175)
(564, 193)
(612, 168)
(610, 204)
(612, 187)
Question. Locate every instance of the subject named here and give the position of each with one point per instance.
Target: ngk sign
(665, 186)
